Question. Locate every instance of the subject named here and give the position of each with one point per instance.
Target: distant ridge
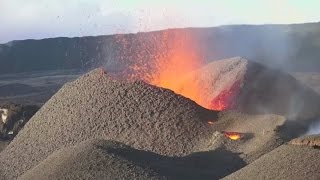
(290, 47)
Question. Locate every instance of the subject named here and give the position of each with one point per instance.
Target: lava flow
(232, 135)
(226, 100)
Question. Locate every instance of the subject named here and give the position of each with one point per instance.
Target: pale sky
(36, 19)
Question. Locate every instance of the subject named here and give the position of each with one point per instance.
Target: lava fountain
(171, 71)
(170, 59)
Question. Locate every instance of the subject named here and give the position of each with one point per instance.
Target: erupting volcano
(174, 61)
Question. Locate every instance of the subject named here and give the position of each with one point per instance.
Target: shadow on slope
(112, 160)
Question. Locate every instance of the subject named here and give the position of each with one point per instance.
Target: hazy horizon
(39, 19)
(153, 30)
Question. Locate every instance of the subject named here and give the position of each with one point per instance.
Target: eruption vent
(232, 135)
(173, 58)
(226, 99)
(171, 72)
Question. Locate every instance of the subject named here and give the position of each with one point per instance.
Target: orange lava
(226, 99)
(232, 135)
(166, 59)
(172, 69)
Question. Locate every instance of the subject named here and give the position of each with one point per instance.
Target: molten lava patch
(232, 135)
(226, 100)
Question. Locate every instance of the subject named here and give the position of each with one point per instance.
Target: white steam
(314, 128)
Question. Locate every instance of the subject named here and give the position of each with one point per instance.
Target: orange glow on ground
(232, 135)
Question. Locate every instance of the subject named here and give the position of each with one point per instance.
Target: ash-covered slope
(287, 162)
(144, 117)
(101, 159)
(253, 88)
(260, 134)
(95, 106)
(311, 140)
(95, 159)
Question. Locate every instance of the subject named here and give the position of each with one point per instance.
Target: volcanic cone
(95, 106)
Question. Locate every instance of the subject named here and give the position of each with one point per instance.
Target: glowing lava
(169, 60)
(226, 99)
(171, 70)
(232, 135)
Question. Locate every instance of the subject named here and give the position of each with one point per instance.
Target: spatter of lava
(165, 59)
(171, 70)
(226, 100)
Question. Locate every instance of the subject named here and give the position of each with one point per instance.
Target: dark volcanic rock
(14, 117)
(16, 89)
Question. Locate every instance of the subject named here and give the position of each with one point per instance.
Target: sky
(37, 19)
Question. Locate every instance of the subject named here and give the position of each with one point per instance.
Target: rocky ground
(97, 127)
(34, 88)
(285, 162)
